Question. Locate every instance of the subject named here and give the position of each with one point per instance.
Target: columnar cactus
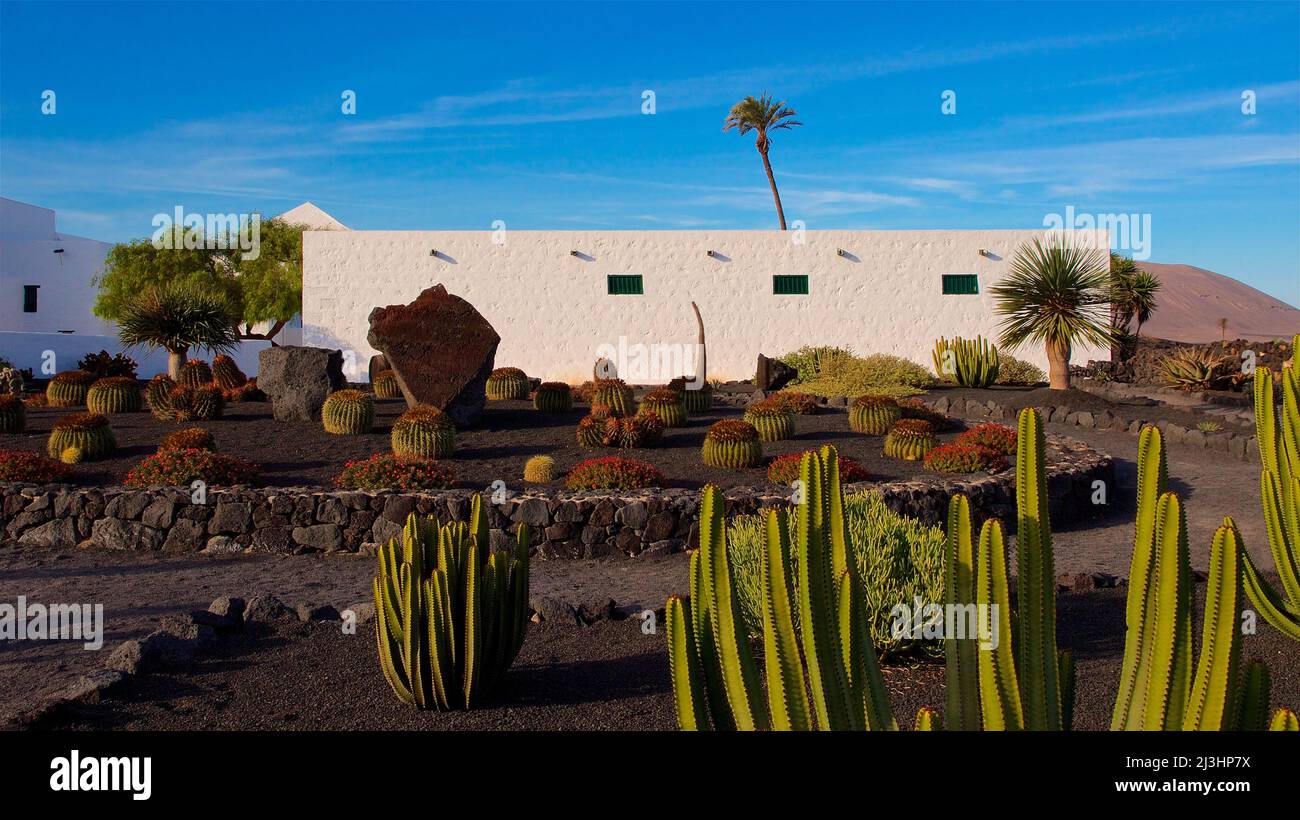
(386, 387)
(86, 435)
(507, 383)
(910, 439)
(732, 445)
(450, 614)
(424, 431)
(553, 397)
(539, 470)
(69, 388)
(226, 373)
(13, 414)
(666, 403)
(348, 413)
(968, 362)
(194, 373)
(115, 394)
(614, 394)
(156, 394)
(11, 382)
(772, 419)
(873, 415)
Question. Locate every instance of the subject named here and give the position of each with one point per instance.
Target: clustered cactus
(348, 413)
(115, 394)
(13, 414)
(194, 373)
(424, 432)
(507, 383)
(873, 415)
(632, 432)
(226, 373)
(180, 403)
(69, 388)
(613, 394)
(539, 470)
(386, 387)
(11, 382)
(81, 436)
(910, 439)
(733, 445)
(668, 404)
(772, 419)
(553, 397)
(451, 614)
(968, 362)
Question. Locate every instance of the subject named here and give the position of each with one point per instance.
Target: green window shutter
(960, 284)
(790, 285)
(624, 284)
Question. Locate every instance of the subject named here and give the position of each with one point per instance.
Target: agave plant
(1193, 368)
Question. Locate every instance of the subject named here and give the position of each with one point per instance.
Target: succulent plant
(226, 373)
(632, 432)
(88, 432)
(69, 388)
(194, 373)
(910, 439)
(191, 438)
(553, 397)
(248, 391)
(873, 415)
(115, 394)
(613, 473)
(917, 409)
(11, 382)
(784, 470)
(425, 432)
(13, 414)
(614, 394)
(348, 413)
(539, 470)
(996, 437)
(666, 403)
(802, 404)
(1193, 368)
(772, 419)
(386, 387)
(964, 458)
(156, 397)
(698, 400)
(733, 445)
(72, 455)
(507, 383)
(450, 614)
(968, 362)
(189, 404)
(591, 429)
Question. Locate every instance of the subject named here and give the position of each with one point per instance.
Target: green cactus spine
(698, 400)
(156, 396)
(773, 421)
(190, 404)
(424, 431)
(116, 394)
(450, 614)
(13, 414)
(87, 432)
(962, 663)
(194, 373)
(386, 387)
(11, 382)
(553, 397)
(666, 403)
(968, 362)
(591, 430)
(69, 388)
(226, 373)
(613, 394)
(1036, 651)
(1284, 720)
(507, 383)
(927, 720)
(539, 470)
(873, 415)
(348, 412)
(910, 440)
(732, 445)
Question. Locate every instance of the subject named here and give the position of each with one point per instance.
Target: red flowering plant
(996, 437)
(785, 469)
(177, 468)
(26, 465)
(390, 471)
(964, 458)
(613, 473)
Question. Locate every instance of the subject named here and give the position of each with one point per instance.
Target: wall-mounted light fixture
(713, 254)
(984, 251)
(58, 250)
(574, 253)
(841, 252)
(433, 252)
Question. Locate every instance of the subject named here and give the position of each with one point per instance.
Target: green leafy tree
(271, 285)
(762, 116)
(1143, 288)
(1132, 296)
(178, 316)
(1057, 295)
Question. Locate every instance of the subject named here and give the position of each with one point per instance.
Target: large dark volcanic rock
(441, 349)
(297, 379)
(773, 374)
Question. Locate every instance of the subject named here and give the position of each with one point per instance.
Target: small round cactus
(591, 429)
(614, 394)
(424, 431)
(194, 373)
(226, 374)
(11, 382)
(666, 403)
(385, 386)
(192, 404)
(69, 388)
(115, 394)
(348, 413)
(772, 419)
(632, 432)
(13, 414)
(539, 470)
(698, 401)
(72, 455)
(156, 394)
(553, 397)
(910, 439)
(733, 445)
(87, 432)
(191, 438)
(507, 383)
(873, 415)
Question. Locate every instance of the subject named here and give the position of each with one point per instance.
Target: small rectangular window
(625, 284)
(29, 298)
(960, 284)
(790, 285)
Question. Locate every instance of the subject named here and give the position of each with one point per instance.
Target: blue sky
(531, 113)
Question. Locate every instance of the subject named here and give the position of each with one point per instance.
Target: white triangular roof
(313, 217)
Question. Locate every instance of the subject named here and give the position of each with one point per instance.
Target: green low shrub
(1017, 372)
(835, 372)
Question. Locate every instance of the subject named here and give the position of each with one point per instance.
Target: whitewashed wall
(553, 313)
(63, 351)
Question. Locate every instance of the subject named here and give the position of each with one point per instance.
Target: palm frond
(177, 317)
(1057, 293)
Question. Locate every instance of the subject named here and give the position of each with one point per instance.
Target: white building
(561, 298)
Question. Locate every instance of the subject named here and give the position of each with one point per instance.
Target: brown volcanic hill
(1193, 300)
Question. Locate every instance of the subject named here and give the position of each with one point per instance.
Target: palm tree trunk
(1058, 365)
(176, 358)
(771, 180)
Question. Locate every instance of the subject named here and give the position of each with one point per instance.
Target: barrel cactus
(698, 401)
(386, 387)
(13, 414)
(733, 445)
(87, 432)
(666, 403)
(194, 373)
(424, 431)
(156, 397)
(591, 429)
(910, 439)
(772, 419)
(348, 413)
(115, 394)
(539, 470)
(874, 415)
(191, 404)
(632, 432)
(553, 397)
(11, 382)
(226, 374)
(614, 394)
(69, 388)
(507, 383)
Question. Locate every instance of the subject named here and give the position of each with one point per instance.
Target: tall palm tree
(762, 116)
(1144, 287)
(1057, 294)
(176, 317)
